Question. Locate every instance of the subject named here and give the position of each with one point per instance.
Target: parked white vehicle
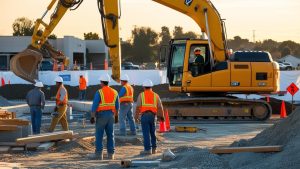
(285, 66)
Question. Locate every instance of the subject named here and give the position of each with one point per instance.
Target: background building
(83, 52)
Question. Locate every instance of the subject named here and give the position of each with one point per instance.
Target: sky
(271, 19)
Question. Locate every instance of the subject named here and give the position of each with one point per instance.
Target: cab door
(197, 77)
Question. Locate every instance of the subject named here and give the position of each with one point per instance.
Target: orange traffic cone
(162, 127)
(283, 110)
(168, 127)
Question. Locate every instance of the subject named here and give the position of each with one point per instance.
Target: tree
(191, 35)
(165, 35)
(126, 50)
(285, 51)
(178, 32)
(22, 27)
(91, 36)
(144, 39)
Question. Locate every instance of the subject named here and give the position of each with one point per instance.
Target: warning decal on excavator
(188, 2)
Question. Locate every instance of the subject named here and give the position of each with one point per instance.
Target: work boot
(96, 156)
(154, 151)
(145, 152)
(110, 156)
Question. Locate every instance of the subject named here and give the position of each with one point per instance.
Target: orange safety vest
(128, 96)
(66, 98)
(82, 83)
(108, 99)
(149, 101)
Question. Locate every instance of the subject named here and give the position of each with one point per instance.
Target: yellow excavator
(207, 83)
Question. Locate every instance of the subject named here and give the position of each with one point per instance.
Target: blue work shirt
(122, 92)
(97, 100)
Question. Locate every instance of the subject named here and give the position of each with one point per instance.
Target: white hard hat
(124, 77)
(197, 48)
(105, 78)
(38, 84)
(147, 83)
(59, 79)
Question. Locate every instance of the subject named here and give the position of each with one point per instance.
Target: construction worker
(82, 87)
(199, 58)
(126, 106)
(105, 107)
(35, 98)
(61, 106)
(148, 106)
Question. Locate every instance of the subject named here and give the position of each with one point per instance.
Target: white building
(83, 52)
(295, 61)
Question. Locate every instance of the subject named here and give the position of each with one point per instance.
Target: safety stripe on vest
(127, 96)
(149, 105)
(103, 103)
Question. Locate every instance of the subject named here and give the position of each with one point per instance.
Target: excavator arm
(25, 64)
(201, 11)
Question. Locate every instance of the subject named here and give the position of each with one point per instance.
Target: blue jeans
(148, 129)
(105, 122)
(126, 110)
(82, 94)
(36, 118)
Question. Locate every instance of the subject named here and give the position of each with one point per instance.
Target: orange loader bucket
(25, 64)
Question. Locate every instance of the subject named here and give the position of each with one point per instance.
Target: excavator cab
(186, 59)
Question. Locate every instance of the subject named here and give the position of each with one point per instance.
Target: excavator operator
(199, 58)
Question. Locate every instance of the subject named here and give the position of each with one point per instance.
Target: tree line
(144, 43)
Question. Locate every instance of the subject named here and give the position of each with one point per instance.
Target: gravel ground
(286, 133)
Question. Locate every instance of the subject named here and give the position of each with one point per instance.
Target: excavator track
(221, 108)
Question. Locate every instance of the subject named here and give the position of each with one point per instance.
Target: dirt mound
(276, 105)
(4, 102)
(286, 133)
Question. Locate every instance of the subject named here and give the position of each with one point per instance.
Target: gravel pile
(192, 157)
(286, 133)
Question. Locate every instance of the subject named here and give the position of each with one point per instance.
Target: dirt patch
(276, 106)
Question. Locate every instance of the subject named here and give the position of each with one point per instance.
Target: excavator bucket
(25, 64)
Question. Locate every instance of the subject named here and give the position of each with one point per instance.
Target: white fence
(71, 77)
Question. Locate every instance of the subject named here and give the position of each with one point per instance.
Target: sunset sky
(271, 19)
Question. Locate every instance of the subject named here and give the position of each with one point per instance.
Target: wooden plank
(255, 149)
(8, 127)
(45, 146)
(44, 138)
(18, 122)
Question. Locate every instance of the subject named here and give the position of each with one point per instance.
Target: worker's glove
(55, 109)
(161, 118)
(92, 120)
